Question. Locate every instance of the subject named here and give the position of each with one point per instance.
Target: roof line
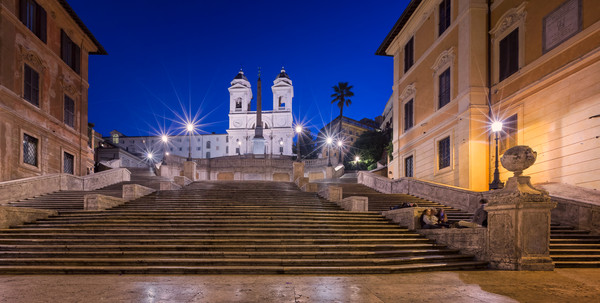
(69, 9)
(406, 14)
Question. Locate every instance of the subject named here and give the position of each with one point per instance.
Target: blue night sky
(164, 56)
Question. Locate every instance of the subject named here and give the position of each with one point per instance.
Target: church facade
(277, 123)
(277, 131)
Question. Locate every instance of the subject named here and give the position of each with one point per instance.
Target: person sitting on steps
(479, 218)
(429, 220)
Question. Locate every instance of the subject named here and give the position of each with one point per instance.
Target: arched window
(207, 144)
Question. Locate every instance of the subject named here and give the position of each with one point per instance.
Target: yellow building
(44, 50)
(540, 72)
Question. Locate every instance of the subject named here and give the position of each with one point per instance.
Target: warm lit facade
(44, 50)
(545, 61)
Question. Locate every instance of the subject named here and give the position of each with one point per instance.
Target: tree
(371, 146)
(341, 95)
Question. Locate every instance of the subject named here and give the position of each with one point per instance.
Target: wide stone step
(556, 252)
(577, 264)
(209, 241)
(220, 247)
(470, 265)
(137, 234)
(557, 258)
(226, 254)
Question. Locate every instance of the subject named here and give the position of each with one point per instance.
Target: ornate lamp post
(190, 129)
(496, 184)
(340, 144)
(298, 141)
(328, 141)
(281, 147)
(165, 140)
(239, 149)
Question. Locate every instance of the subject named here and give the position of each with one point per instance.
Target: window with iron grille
(34, 17)
(444, 88)
(70, 52)
(444, 10)
(69, 111)
(408, 166)
(208, 155)
(509, 54)
(444, 153)
(409, 54)
(31, 86)
(30, 150)
(68, 163)
(408, 115)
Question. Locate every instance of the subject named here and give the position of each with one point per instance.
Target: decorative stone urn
(518, 158)
(519, 218)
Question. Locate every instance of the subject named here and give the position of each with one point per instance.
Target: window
(226, 139)
(69, 111)
(180, 149)
(34, 17)
(30, 150)
(226, 149)
(281, 149)
(217, 147)
(408, 115)
(508, 136)
(207, 155)
(509, 54)
(68, 163)
(408, 166)
(444, 15)
(31, 82)
(70, 52)
(198, 140)
(408, 54)
(444, 88)
(444, 153)
(237, 150)
(198, 148)
(171, 149)
(115, 139)
(207, 144)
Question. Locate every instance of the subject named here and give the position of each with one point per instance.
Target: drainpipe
(489, 68)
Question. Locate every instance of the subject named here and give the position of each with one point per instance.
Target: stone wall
(16, 190)
(12, 216)
(449, 195)
(580, 215)
(472, 241)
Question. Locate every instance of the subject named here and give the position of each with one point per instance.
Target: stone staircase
(569, 248)
(73, 200)
(221, 227)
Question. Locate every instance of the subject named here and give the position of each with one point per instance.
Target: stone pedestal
(329, 172)
(189, 170)
(298, 170)
(519, 227)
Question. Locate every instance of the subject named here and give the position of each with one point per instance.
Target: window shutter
(41, 22)
(23, 11)
(76, 58)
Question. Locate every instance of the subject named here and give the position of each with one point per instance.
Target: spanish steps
(238, 227)
(569, 247)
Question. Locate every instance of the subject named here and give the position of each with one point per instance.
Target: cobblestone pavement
(562, 285)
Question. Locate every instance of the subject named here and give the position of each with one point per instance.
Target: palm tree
(342, 91)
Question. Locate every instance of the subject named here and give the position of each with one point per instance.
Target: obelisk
(258, 141)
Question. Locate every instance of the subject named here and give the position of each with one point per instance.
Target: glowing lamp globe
(496, 126)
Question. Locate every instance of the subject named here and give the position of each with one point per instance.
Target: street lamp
(239, 143)
(339, 144)
(329, 140)
(496, 184)
(281, 147)
(190, 129)
(298, 141)
(356, 159)
(165, 140)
